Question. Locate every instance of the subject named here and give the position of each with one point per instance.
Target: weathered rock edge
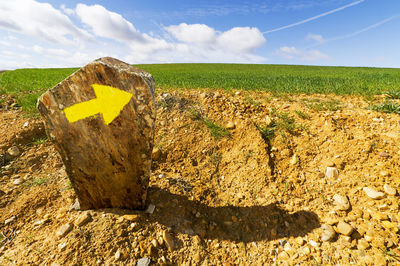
(108, 165)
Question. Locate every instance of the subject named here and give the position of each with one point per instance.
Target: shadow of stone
(241, 224)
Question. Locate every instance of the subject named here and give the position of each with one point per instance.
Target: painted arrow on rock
(110, 101)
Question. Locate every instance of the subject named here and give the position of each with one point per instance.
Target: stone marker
(101, 119)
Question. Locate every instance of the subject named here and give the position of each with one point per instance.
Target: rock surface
(107, 159)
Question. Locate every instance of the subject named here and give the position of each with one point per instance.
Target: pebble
(61, 246)
(64, 230)
(150, 209)
(331, 220)
(10, 220)
(230, 125)
(306, 250)
(156, 154)
(299, 240)
(373, 194)
(390, 190)
(369, 238)
(344, 228)
(294, 160)
(117, 255)
(143, 262)
(154, 242)
(313, 243)
(331, 172)
(268, 121)
(169, 241)
(83, 219)
(76, 206)
(283, 256)
(14, 151)
(341, 202)
(18, 181)
(131, 217)
(363, 244)
(384, 154)
(328, 232)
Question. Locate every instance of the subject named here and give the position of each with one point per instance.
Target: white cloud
(107, 24)
(294, 53)
(193, 33)
(40, 20)
(67, 10)
(315, 37)
(111, 25)
(237, 44)
(106, 33)
(38, 49)
(242, 40)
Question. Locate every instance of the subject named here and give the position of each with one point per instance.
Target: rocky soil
(237, 178)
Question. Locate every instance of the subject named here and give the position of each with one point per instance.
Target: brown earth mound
(237, 178)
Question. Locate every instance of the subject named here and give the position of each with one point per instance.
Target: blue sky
(65, 33)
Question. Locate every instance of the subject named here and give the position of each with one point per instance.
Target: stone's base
(108, 165)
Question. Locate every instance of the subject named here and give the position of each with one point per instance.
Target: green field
(27, 84)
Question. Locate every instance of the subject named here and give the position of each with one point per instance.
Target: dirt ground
(222, 196)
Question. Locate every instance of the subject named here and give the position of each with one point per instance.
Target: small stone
(294, 160)
(18, 181)
(156, 154)
(390, 190)
(299, 240)
(306, 250)
(313, 243)
(268, 121)
(328, 233)
(117, 255)
(14, 151)
(344, 228)
(283, 256)
(331, 220)
(369, 238)
(150, 209)
(131, 217)
(287, 247)
(40, 222)
(76, 206)
(332, 172)
(143, 262)
(10, 220)
(64, 230)
(62, 246)
(154, 243)
(83, 219)
(384, 154)
(363, 244)
(230, 125)
(341, 202)
(373, 194)
(169, 241)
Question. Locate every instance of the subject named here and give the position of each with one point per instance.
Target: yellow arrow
(110, 101)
